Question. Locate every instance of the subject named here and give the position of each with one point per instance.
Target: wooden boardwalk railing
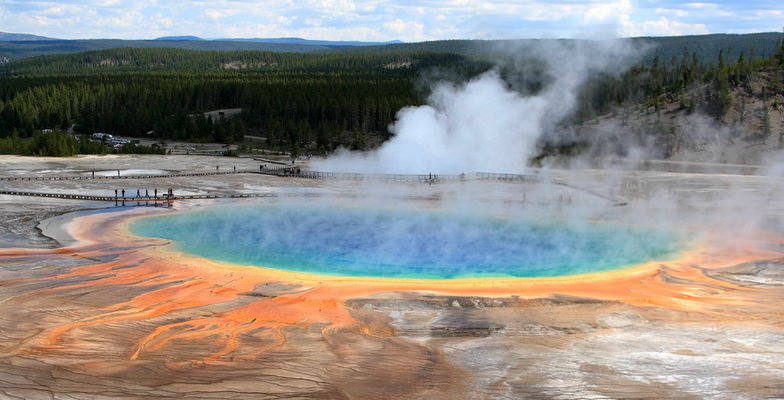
(435, 178)
(72, 196)
(299, 173)
(89, 177)
(296, 172)
(427, 178)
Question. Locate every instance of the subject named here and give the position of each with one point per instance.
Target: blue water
(403, 243)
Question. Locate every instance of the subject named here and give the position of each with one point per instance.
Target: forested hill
(317, 102)
(705, 47)
(297, 102)
(15, 50)
(176, 60)
(21, 37)
(16, 46)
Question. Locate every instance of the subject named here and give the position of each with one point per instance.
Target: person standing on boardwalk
(123, 193)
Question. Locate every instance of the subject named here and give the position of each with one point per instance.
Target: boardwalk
(438, 178)
(414, 178)
(71, 196)
(89, 177)
(293, 172)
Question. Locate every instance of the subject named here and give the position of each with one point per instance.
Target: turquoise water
(403, 243)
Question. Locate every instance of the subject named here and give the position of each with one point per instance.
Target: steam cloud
(490, 124)
(485, 125)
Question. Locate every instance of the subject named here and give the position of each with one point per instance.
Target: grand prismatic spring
(439, 291)
(404, 244)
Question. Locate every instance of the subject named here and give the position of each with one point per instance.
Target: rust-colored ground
(116, 316)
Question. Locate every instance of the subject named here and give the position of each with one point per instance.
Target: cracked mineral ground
(89, 310)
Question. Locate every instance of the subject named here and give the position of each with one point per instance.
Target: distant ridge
(21, 37)
(706, 48)
(124, 60)
(178, 38)
(18, 46)
(286, 40)
(326, 43)
(15, 50)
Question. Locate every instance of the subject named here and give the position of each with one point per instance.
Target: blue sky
(381, 20)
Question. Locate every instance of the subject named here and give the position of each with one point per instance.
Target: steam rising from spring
(485, 125)
(492, 124)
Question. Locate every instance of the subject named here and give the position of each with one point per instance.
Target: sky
(383, 20)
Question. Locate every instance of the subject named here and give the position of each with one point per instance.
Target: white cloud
(769, 13)
(381, 19)
(672, 12)
(663, 27)
(124, 20)
(164, 22)
(710, 9)
(220, 13)
(411, 31)
(396, 26)
(313, 21)
(62, 10)
(603, 11)
(108, 3)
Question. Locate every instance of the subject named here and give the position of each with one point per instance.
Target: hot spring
(395, 243)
